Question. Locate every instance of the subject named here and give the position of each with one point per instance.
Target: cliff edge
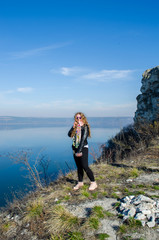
(148, 100)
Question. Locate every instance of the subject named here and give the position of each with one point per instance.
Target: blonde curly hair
(84, 119)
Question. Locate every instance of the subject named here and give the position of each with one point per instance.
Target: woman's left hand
(78, 154)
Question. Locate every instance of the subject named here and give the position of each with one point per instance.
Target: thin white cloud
(109, 75)
(24, 89)
(100, 76)
(38, 51)
(70, 71)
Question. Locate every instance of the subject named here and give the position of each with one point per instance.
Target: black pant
(82, 165)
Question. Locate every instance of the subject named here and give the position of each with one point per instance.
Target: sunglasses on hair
(78, 117)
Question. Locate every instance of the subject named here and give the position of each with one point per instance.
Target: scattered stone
(126, 199)
(8, 216)
(129, 180)
(145, 212)
(143, 223)
(142, 198)
(141, 208)
(140, 216)
(151, 224)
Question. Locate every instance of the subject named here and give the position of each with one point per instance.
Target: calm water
(53, 143)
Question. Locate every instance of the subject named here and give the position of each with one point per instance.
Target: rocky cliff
(148, 100)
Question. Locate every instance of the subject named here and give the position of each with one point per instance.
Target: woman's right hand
(75, 124)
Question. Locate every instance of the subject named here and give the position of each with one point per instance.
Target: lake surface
(50, 142)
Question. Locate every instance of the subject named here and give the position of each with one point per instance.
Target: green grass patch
(75, 236)
(134, 173)
(61, 220)
(123, 228)
(84, 187)
(131, 224)
(104, 194)
(134, 223)
(139, 192)
(102, 236)
(34, 209)
(5, 227)
(140, 186)
(66, 198)
(109, 214)
(56, 237)
(95, 195)
(94, 222)
(156, 187)
(126, 190)
(98, 212)
(154, 196)
(85, 193)
(133, 186)
(117, 204)
(114, 195)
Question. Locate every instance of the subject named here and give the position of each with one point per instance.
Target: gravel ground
(83, 210)
(108, 226)
(148, 178)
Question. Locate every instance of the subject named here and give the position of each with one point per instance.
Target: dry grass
(130, 142)
(61, 221)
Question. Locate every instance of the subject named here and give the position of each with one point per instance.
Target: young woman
(79, 133)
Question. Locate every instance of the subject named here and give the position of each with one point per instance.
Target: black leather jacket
(83, 142)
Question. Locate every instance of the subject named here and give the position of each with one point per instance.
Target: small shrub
(134, 173)
(35, 209)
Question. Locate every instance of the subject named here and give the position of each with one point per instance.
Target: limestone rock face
(148, 100)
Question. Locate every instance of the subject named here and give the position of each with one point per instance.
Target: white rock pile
(141, 208)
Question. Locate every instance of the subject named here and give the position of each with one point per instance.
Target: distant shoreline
(9, 122)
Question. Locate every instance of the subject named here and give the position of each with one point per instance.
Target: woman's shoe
(93, 186)
(79, 185)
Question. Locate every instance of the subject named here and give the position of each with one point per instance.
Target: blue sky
(59, 57)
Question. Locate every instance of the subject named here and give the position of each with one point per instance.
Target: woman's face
(79, 119)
